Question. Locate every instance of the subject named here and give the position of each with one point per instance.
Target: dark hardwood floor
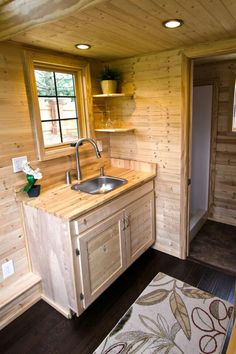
(215, 244)
(43, 330)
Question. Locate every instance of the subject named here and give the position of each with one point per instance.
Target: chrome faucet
(79, 142)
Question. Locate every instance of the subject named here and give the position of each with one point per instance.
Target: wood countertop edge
(99, 200)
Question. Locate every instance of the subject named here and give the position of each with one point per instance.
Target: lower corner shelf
(114, 130)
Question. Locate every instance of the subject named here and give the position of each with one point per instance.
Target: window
(58, 106)
(58, 89)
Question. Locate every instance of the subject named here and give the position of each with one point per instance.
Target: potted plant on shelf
(109, 79)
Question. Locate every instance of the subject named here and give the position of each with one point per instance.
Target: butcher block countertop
(66, 203)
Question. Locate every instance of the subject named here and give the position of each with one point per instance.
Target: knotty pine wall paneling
(16, 139)
(156, 113)
(224, 193)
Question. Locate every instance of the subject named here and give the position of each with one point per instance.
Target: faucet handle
(68, 177)
(102, 171)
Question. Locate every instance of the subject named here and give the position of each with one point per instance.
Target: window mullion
(57, 120)
(40, 96)
(76, 104)
(58, 110)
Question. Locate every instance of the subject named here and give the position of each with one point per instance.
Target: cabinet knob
(68, 177)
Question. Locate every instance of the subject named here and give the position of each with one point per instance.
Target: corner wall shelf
(102, 95)
(114, 130)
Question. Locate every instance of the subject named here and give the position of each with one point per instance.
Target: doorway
(212, 223)
(200, 156)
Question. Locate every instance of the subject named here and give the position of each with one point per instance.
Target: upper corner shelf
(104, 95)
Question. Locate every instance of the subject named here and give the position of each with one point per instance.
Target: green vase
(31, 181)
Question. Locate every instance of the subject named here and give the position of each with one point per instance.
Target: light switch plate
(17, 163)
(7, 269)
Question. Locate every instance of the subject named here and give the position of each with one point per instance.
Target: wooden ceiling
(125, 28)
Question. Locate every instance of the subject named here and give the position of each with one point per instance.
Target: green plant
(110, 74)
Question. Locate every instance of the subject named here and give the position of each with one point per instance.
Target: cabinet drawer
(90, 219)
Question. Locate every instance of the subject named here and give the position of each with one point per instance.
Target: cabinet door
(139, 227)
(102, 256)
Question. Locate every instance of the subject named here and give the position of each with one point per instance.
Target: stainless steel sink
(99, 185)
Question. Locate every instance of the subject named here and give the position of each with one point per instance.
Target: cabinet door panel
(102, 256)
(139, 226)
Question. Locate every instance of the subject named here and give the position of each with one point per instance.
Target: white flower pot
(109, 86)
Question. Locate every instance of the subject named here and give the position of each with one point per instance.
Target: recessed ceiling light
(83, 46)
(174, 23)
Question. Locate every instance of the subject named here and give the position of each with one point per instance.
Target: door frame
(188, 54)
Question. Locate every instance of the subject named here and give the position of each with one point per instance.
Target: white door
(200, 159)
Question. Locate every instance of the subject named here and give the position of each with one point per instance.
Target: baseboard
(195, 225)
(222, 221)
(166, 250)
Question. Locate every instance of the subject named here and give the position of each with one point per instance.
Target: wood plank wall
(224, 194)
(16, 139)
(155, 113)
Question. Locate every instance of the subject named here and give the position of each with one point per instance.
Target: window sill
(56, 152)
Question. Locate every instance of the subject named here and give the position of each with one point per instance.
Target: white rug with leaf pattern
(170, 317)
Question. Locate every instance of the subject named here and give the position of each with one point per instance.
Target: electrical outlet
(7, 269)
(17, 163)
(99, 144)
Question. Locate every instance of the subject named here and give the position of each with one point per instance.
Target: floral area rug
(170, 317)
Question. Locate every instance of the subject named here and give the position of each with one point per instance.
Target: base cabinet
(108, 248)
(78, 259)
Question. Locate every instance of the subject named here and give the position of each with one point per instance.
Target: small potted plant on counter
(31, 175)
(109, 80)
